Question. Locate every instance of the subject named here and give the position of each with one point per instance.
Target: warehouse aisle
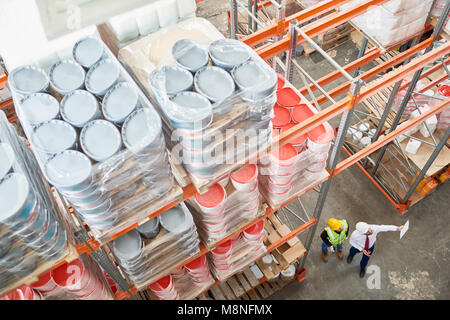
(412, 268)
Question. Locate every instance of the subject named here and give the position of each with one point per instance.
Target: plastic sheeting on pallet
(230, 112)
(32, 232)
(146, 257)
(96, 137)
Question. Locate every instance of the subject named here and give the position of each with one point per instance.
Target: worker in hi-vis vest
(334, 235)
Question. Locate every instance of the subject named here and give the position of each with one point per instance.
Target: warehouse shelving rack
(358, 91)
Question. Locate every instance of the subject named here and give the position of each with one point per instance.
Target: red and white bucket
(278, 197)
(315, 156)
(281, 118)
(164, 288)
(298, 143)
(273, 187)
(254, 232)
(213, 201)
(246, 178)
(198, 270)
(310, 175)
(288, 98)
(72, 277)
(318, 166)
(45, 283)
(23, 293)
(301, 112)
(319, 138)
(222, 252)
(283, 160)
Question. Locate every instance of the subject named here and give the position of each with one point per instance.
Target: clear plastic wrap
(215, 95)
(301, 164)
(82, 279)
(185, 283)
(173, 239)
(33, 235)
(237, 209)
(103, 148)
(236, 254)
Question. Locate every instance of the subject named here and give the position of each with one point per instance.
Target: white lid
(78, 107)
(14, 189)
(102, 76)
(54, 136)
(88, 51)
(229, 51)
(267, 259)
(175, 220)
(140, 129)
(67, 75)
(128, 246)
(100, 140)
(215, 83)
(289, 272)
(252, 75)
(40, 107)
(28, 79)
(68, 168)
(196, 106)
(6, 159)
(119, 102)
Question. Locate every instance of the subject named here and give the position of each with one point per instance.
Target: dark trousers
(365, 259)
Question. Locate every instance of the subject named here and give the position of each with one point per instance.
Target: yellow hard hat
(334, 224)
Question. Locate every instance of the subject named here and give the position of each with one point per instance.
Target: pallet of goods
(215, 97)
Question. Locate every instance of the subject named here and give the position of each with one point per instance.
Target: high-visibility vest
(336, 238)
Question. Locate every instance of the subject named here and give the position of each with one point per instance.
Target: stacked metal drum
(203, 96)
(31, 230)
(97, 138)
(304, 159)
(151, 249)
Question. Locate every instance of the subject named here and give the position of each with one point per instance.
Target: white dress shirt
(358, 239)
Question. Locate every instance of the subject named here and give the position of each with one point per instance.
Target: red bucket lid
(213, 197)
(223, 248)
(287, 97)
(296, 141)
(43, 279)
(444, 90)
(69, 271)
(281, 81)
(246, 174)
(301, 112)
(197, 263)
(282, 116)
(285, 152)
(161, 284)
(321, 134)
(255, 229)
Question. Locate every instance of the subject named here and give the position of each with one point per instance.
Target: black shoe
(362, 273)
(349, 259)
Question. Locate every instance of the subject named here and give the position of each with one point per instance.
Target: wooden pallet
(289, 252)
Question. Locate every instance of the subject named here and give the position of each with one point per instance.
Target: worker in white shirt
(363, 240)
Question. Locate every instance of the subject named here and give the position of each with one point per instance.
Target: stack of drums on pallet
(198, 271)
(304, 157)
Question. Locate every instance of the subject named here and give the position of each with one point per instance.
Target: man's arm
(324, 237)
(384, 228)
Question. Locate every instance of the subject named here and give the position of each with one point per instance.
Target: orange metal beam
(400, 73)
(389, 137)
(320, 26)
(303, 16)
(378, 69)
(370, 55)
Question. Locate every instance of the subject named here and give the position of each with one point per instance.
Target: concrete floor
(415, 267)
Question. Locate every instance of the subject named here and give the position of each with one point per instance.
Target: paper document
(405, 228)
